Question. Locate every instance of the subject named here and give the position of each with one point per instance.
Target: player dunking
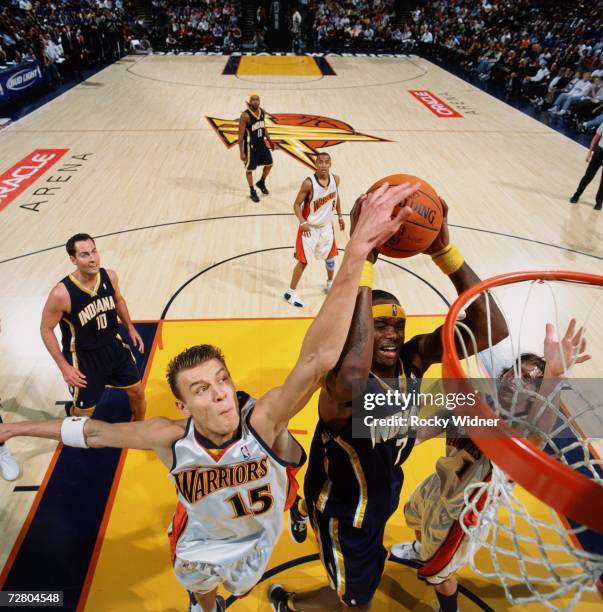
(352, 486)
(316, 200)
(86, 304)
(435, 506)
(229, 456)
(253, 149)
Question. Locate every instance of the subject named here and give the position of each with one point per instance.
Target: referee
(595, 161)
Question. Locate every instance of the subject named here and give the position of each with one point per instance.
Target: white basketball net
(533, 552)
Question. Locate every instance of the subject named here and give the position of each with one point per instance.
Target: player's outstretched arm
(484, 319)
(153, 434)
(559, 355)
(355, 360)
(326, 336)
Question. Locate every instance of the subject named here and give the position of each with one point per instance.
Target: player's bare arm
(354, 364)
(122, 312)
(356, 357)
(243, 121)
(558, 356)
(156, 434)
(303, 195)
(488, 329)
(326, 336)
(338, 206)
(57, 304)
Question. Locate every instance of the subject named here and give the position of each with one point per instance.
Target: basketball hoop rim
(557, 485)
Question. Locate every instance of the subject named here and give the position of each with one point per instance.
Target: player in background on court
(86, 305)
(9, 468)
(352, 485)
(316, 200)
(253, 145)
(230, 455)
(435, 506)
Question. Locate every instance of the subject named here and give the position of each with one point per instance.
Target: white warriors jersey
(234, 502)
(319, 210)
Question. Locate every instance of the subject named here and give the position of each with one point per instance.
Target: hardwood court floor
(155, 182)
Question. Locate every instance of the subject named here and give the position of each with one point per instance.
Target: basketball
(422, 227)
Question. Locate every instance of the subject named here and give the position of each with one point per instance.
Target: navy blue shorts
(258, 155)
(353, 557)
(108, 366)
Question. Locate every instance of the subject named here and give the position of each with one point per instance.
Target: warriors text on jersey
(92, 321)
(318, 210)
(233, 500)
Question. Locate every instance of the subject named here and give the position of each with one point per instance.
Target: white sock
(291, 291)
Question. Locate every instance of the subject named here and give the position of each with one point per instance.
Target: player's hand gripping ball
(420, 230)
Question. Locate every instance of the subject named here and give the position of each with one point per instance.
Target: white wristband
(72, 431)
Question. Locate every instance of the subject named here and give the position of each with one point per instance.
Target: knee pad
(330, 263)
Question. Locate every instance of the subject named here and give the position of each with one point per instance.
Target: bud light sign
(18, 79)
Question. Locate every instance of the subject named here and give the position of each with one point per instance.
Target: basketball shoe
(8, 466)
(293, 298)
(298, 522)
(407, 551)
(261, 185)
(279, 598)
(329, 285)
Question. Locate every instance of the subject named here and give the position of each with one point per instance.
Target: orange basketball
(422, 227)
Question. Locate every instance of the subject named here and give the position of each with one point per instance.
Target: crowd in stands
(546, 51)
(192, 25)
(65, 36)
(549, 53)
(352, 25)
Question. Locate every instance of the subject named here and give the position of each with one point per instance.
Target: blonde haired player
(435, 506)
(316, 200)
(230, 455)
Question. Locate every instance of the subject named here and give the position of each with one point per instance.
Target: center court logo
(434, 104)
(297, 135)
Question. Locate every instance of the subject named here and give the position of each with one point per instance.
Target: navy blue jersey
(351, 480)
(255, 131)
(92, 322)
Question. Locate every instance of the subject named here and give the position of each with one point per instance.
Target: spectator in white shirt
(565, 100)
(296, 23)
